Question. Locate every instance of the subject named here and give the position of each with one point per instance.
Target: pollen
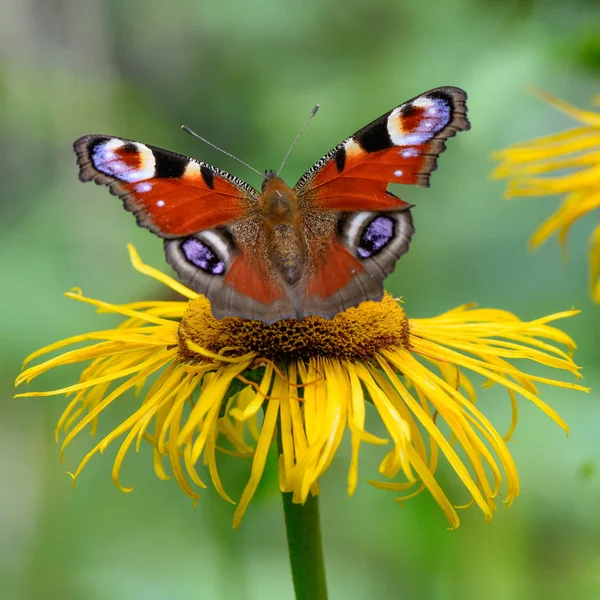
(357, 334)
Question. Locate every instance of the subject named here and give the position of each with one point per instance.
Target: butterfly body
(315, 249)
(285, 243)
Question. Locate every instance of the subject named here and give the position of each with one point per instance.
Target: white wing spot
(160, 203)
(398, 173)
(141, 188)
(409, 153)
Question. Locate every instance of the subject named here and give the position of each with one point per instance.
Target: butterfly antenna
(188, 130)
(313, 112)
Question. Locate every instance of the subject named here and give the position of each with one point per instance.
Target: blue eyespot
(376, 236)
(202, 256)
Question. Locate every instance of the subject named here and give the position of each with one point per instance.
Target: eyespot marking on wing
(126, 161)
(202, 256)
(376, 236)
(417, 122)
(209, 251)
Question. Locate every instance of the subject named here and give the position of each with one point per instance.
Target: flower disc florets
(356, 334)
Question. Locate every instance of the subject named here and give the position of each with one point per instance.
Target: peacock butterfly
(318, 248)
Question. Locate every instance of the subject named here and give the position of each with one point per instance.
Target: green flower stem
(303, 529)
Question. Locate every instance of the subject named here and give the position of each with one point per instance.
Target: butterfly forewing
(401, 146)
(170, 194)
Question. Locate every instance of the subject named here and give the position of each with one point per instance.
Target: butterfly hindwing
(235, 278)
(170, 194)
(352, 268)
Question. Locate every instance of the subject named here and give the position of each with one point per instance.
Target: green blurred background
(245, 75)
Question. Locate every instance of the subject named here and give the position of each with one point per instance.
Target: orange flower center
(357, 333)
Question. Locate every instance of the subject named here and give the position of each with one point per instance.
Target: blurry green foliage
(245, 75)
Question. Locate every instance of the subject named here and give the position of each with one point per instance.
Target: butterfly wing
(374, 227)
(402, 146)
(170, 194)
(206, 216)
(230, 266)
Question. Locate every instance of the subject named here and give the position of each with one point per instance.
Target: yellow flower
(563, 163)
(210, 386)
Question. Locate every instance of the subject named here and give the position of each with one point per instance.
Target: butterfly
(318, 248)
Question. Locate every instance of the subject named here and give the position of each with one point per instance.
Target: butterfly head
(269, 176)
(278, 202)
